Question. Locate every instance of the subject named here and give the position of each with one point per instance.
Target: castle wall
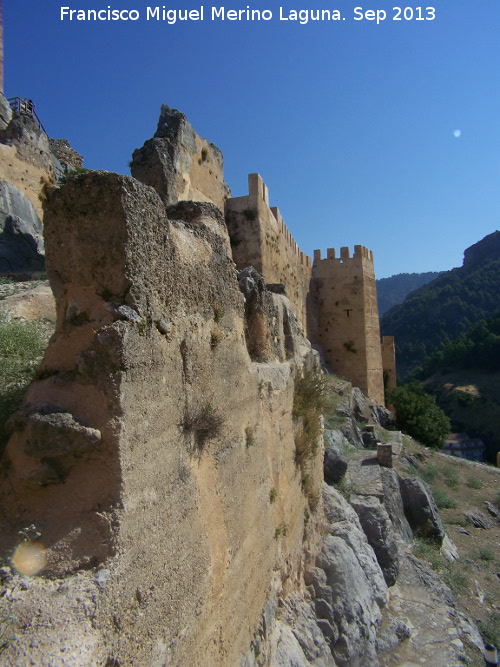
(260, 238)
(389, 362)
(149, 442)
(348, 322)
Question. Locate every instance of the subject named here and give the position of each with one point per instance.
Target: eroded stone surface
(176, 520)
(21, 240)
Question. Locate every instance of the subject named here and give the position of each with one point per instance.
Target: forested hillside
(477, 348)
(393, 290)
(446, 307)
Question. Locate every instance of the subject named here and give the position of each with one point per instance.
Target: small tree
(418, 415)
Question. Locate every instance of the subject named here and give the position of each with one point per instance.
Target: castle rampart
(260, 238)
(335, 298)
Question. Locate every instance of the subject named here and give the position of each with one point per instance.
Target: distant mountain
(393, 290)
(447, 306)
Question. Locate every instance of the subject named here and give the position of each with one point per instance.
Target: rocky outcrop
(21, 240)
(298, 636)
(483, 251)
(378, 529)
(29, 140)
(423, 515)
(420, 508)
(334, 464)
(64, 159)
(66, 155)
(393, 503)
(150, 448)
(5, 112)
(348, 586)
(179, 164)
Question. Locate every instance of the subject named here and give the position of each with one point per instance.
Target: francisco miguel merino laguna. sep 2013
(171, 16)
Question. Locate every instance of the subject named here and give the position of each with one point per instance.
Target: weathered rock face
(31, 142)
(334, 464)
(420, 508)
(21, 240)
(394, 504)
(5, 112)
(297, 638)
(179, 164)
(150, 443)
(64, 159)
(378, 529)
(66, 155)
(348, 585)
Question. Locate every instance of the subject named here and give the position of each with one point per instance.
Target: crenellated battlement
(260, 238)
(360, 252)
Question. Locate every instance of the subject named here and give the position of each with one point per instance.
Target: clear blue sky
(351, 124)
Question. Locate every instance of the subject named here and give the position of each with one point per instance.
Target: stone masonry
(334, 299)
(349, 328)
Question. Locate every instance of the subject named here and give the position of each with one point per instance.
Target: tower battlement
(360, 252)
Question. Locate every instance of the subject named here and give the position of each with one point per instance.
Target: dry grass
(204, 422)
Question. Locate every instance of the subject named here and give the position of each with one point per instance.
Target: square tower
(348, 322)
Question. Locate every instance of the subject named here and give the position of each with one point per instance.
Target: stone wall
(150, 445)
(260, 238)
(349, 328)
(179, 164)
(389, 362)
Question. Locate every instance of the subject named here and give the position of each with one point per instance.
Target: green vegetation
(215, 338)
(486, 554)
(250, 213)
(444, 500)
(419, 416)
(429, 474)
(450, 477)
(218, 311)
(478, 347)
(249, 436)
(490, 628)
(458, 581)
(309, 403)
(282, 529)
(75, 172)
(21, 347)
(429, 550)
(273, 494)
(474, 483)
(349, 346)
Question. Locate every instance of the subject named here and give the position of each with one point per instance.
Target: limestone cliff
(151, 445)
